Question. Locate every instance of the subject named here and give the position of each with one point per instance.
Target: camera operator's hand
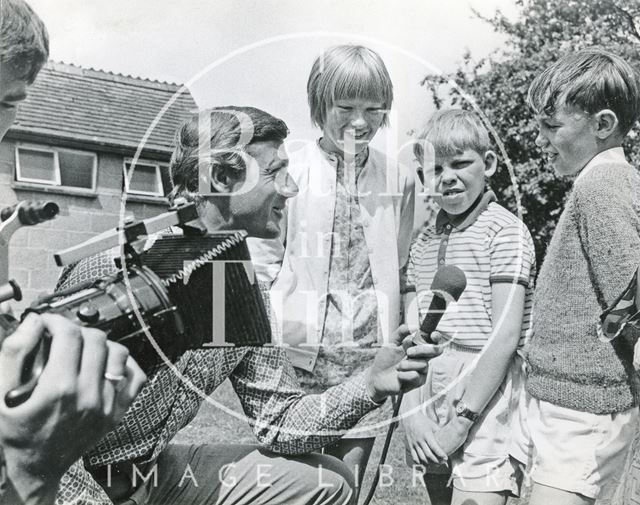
(84, 390)
(390, 374)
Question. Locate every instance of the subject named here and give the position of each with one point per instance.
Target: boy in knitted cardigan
(582, 411)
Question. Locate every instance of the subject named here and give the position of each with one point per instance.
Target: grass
(214, 425)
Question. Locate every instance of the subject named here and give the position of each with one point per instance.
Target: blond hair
(347, 72)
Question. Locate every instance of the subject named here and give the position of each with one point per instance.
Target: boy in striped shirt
(463, 413)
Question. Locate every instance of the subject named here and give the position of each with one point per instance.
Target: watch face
(459, 408)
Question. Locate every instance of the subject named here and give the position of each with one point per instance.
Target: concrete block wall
(32, 247)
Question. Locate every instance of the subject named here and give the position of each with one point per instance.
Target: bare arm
(492, 366)
(507, 307)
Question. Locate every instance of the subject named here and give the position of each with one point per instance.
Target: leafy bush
(543, 30)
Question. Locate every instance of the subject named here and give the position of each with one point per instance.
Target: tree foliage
(542, 31)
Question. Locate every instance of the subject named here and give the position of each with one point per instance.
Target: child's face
(13, 90)
(568, 139)
(458, 180)
(350, 124)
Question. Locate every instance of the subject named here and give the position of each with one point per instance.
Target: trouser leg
(239, 474)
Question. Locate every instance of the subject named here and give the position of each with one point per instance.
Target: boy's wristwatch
(463, 411)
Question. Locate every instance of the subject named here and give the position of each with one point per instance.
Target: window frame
(139, 192)
(57, 182)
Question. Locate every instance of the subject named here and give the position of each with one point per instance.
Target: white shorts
(484, 463)
(578, 452)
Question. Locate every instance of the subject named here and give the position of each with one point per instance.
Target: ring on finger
(115, 379)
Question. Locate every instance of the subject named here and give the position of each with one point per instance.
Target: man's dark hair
(24, 42)
(229, 130)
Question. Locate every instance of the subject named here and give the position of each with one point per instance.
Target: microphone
(447, 286)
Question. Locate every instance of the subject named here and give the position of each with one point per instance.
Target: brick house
(73, 142)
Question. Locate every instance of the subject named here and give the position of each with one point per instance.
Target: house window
(54, 166)
(146, 178)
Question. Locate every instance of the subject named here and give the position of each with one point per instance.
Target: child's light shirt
(351, 316)
(490, 245)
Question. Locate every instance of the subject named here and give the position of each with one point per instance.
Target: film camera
(165, 294)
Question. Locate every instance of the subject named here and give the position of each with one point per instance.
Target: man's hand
(84, 390)
(453, 435)
(391, 374)
(419, 432)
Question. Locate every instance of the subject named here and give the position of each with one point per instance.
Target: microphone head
(449, 279)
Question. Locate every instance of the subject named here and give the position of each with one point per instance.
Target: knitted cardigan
(593, 254)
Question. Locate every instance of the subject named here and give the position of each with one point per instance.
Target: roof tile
(68, 101)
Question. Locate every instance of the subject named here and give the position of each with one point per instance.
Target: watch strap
(463, 411)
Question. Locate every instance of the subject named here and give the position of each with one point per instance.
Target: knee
(336, 482)
(308, 478)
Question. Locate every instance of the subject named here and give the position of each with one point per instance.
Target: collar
(467, 218)
(361, 157)
(613, 155)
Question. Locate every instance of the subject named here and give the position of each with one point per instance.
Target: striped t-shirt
(490, 245)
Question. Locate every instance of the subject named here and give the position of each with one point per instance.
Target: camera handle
(9, 289)
(25, 213)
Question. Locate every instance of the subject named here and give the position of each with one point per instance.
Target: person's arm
(408, 296)
(507, 305)
(609, 227)
(407, 216)
(288, 421)
(77, 486)
(405, 234)
(71, 408)
(512, 261)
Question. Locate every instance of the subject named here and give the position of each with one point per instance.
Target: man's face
(567, 138)
(458, 179)
(350, 124)
(259, 196)
(13, 90)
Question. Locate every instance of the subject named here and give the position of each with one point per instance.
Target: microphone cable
(448, 284)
